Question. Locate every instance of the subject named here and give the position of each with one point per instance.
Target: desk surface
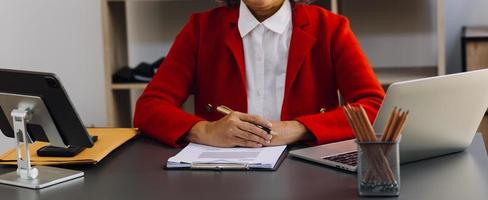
(134, 172)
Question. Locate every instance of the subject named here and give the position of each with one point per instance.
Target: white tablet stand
(26, 175)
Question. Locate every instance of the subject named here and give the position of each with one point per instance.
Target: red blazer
(207, 60)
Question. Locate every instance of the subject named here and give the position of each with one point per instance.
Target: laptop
(445, 112)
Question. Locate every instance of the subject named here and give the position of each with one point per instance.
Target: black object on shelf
(123, 75)
(143, 73)
(157, 63)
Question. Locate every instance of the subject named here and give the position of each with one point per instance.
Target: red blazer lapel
(233, 41)
(300, 45)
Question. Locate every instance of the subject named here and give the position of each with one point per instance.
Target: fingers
(247, 143)
(252, 137)
(254, 119)
(251, 128)
(243, 131)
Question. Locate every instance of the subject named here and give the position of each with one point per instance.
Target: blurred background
(85, 42)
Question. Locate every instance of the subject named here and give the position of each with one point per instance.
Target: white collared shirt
(266, 48)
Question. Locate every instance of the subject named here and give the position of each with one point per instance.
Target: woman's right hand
(235, 129)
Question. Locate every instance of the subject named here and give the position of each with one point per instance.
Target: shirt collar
(276, 23)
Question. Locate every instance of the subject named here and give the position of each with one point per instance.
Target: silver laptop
(445, 112)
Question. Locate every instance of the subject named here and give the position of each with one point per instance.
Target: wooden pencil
(363, 126)
(399, 129)
(388, 124)
(394, 121)
(353, 125)
(365, 119)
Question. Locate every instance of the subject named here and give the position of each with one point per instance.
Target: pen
(226, 110)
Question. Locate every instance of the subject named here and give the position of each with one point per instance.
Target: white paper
(265, 157)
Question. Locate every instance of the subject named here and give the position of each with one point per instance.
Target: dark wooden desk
(134, 172)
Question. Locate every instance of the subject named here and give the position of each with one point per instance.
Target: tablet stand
(26, 175)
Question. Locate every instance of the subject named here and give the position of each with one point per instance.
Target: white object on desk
(197, 156)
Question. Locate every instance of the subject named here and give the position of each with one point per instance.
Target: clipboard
(228, 166)
(202, 157)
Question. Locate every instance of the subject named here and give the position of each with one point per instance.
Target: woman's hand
(288, 132)
(235, 129)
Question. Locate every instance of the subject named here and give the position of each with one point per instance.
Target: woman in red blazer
(217, 51)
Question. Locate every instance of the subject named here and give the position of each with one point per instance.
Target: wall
(394, 33)
(60, 36)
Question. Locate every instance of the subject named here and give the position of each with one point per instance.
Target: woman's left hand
(288, 132)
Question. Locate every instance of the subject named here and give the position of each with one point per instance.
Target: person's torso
(221, 76)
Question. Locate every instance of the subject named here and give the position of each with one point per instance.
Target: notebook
(197, 156)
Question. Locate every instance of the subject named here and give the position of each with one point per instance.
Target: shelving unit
(122, 33)
(129, 86)
(142, 30)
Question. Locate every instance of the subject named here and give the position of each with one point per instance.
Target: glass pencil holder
(378, 168)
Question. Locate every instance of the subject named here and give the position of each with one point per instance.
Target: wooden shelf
(476, 32)
(128, 86)
(389, 75)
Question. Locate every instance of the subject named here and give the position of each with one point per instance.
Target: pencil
(388, 125)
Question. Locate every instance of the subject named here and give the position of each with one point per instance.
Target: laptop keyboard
(350, 158)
